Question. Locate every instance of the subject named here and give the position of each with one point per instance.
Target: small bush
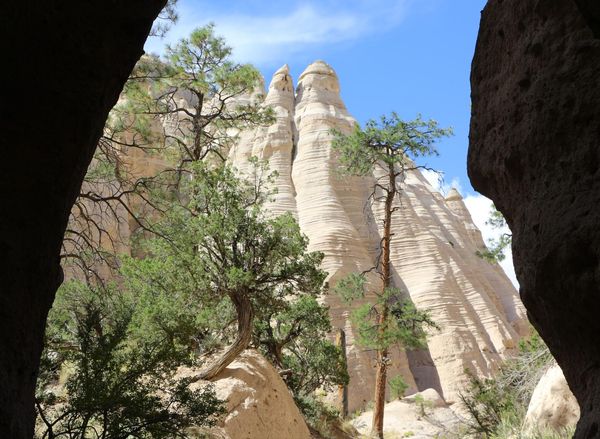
(423, 405)
(318, 414)
(488, 403)
(497, 407)
(397, 387)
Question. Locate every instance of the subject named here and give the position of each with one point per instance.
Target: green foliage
(405, 326)
(318, 414)
(117, 384)
(183, 108)
(196, 88)
(208, 248)
(496, 248)
(397, 386)
(220, 246)
(221, 243)
(351, 287)
(206, 244)
(423, 405)
(487, 403)
(497, 407)
(178, 302)
(521, 374)
(496, 219)
(166, 18)
(389, 142)
(391, 146)
(295, 340)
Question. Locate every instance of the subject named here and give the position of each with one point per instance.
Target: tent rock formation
(434, 245)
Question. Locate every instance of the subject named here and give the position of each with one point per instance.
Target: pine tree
(390, 148)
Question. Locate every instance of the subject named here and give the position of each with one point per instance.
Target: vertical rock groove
(433, 250)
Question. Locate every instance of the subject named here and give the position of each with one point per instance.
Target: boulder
(259, 404)
(552, 405)
(404, 419)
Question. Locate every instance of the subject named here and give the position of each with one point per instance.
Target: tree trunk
(274, 348)
(380, 383)
(245, 317)
(382, 353)
(343, 388)
(68, 63)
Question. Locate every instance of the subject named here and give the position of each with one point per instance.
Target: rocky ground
(419, 416)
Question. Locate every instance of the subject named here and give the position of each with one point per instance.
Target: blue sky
(408, 56)
(411, 56)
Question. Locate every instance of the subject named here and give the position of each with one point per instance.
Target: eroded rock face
(434, 246)
(552, 405)
(259, 404)
(68, 63)
(273, 143)
(535, 150)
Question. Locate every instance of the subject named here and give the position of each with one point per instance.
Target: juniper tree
(295, 339)
(220, 250)
(218, 270)
(179, 109)
(388, 150)
(496, 248)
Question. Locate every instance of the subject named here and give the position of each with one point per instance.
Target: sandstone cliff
(434, 242)
(433, 249)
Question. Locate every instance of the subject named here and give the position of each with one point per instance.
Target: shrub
(397, 387)
(497, 407)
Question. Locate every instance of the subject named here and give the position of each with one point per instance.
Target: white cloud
(264, 38)
(437, 180)
(261, 39)
(479, 208)
(454, 183)
(434, 178)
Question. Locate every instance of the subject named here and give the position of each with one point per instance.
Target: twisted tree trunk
(245, 318)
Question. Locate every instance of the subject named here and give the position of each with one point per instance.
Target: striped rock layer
(433, 249)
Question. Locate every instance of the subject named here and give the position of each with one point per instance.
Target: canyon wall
(434, 241)
(79, 55)
(535, 150)
(434, 244)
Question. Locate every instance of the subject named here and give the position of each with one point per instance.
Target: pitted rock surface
(535, 151)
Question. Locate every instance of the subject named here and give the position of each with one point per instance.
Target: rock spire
(434, 248)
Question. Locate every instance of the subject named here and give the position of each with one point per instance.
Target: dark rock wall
(535, 150)
(63, 64)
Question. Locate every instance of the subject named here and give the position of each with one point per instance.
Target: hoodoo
(435, 241)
